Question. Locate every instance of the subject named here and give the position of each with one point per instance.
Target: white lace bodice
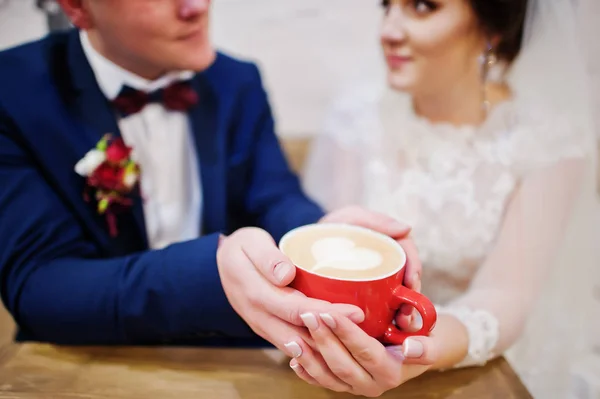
(443, 179)
(451, 184)
(456, 187)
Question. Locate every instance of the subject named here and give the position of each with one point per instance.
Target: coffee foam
(343, 254)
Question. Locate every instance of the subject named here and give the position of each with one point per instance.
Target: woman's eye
(423, 6)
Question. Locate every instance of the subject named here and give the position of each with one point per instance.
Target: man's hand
(253, 272)
(400, 232)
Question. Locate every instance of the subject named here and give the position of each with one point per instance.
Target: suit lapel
(98, 118)
(210, 147)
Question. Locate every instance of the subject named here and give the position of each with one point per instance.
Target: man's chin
(199, 62)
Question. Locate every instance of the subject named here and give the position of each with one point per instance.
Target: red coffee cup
(379, 297)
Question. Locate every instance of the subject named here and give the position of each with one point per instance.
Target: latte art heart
(343, 254)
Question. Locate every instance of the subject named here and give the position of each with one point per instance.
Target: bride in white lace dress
(481, 140)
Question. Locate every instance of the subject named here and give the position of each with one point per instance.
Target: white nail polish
(296, 367)
(413, 349)
(310, 321)
(294, 349)
(329, 320)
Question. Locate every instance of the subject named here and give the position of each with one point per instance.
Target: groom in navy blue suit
(183, 266)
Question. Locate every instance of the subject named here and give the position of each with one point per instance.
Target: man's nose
(192, 8)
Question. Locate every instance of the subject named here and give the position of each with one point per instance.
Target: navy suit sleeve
(274, 196)
(58, 289)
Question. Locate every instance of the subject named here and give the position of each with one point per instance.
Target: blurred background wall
(307, 49)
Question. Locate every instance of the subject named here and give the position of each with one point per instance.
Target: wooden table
(43, 371)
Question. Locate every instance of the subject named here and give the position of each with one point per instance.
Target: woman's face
(429, 45)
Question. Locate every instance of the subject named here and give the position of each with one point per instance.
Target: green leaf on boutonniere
(103, 205)
(130, 167)
(102, 145)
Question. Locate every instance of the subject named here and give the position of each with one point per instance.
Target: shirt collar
(111, 77)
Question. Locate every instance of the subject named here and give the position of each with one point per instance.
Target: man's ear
(78, 13)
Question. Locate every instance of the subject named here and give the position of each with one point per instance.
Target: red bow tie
(179, 96)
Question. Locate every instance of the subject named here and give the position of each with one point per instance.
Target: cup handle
(405, 296)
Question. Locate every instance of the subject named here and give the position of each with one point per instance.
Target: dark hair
(505, 18)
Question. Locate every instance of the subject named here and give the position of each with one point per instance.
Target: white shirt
(163, 146)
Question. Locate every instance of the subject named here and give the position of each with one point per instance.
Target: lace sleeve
(497, 306)
(483, 331)
(333, 175)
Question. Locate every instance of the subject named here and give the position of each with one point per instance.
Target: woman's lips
(397, 61)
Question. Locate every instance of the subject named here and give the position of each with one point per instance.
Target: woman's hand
(346, 359)
(400, 232)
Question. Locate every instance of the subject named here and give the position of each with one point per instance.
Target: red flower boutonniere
(113, 175)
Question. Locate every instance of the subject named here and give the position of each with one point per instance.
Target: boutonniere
(112, 178)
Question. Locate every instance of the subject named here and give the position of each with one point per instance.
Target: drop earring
(486, 61)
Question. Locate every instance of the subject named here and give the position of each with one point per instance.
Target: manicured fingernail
(415, 279)
(416, 282)
(417, 321)
(282, 270)
(407, 310)
(413, 349)
(327, 319)
(357, 317)
(396, 351)
(296, 367)
(310, 321)
(294, 349)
